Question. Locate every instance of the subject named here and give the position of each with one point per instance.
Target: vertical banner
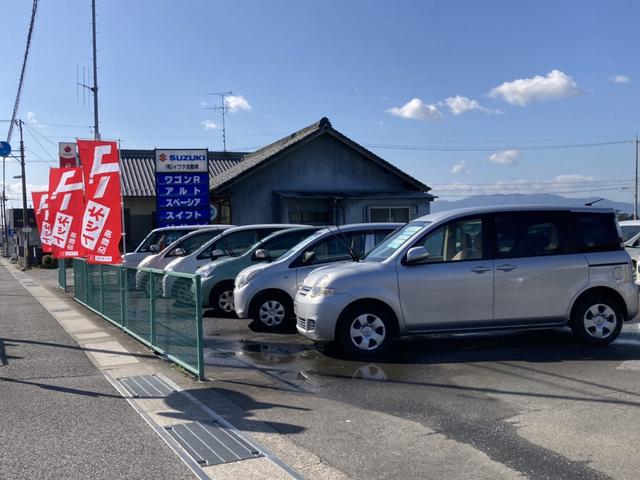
(102, 220)
(182, 187)
(68, 156)
(66, 203)
(41, 207)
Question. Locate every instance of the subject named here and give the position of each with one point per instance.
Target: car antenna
(343, 238)
(588, 204)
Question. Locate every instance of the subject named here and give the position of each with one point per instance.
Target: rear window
(596, 232)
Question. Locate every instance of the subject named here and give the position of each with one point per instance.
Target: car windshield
(297, 248)
(152, 239)
(629, 231)
(394, 242)
(194, 242)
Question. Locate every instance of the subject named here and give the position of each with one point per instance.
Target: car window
(596, 232)
(192, 243)
(152, 239)
(454, 242)
(277, 246)
(236, 243)
(379, 235)
(395, 241)
(629, 231)
(336, 248)
(529, 235)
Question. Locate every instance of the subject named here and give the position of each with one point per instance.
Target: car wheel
(273, 311)
(365, 331)
(221, 299)
(597, 320)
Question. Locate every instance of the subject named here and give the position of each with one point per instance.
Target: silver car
(265, 292)
(477, 269)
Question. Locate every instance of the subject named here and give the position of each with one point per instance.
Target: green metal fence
(165, 316)
(62, 274)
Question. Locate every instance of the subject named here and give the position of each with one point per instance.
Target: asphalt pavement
(59, 416)
(530, 404)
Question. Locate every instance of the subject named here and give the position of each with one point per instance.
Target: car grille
(308, 325)
(305, 290)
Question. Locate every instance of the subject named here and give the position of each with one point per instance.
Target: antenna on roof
(223, 109)
(588, 204)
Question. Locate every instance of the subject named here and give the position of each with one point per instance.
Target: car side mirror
(260, 254)
(217, 253)
(416, 254)
(154, 248)
(179, 252)
(308, 256)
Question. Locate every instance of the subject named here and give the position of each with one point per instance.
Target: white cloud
(459, 167)
(459, 105)
(203, 103)
(14, 192)
(416, 109)
(31, 118)
(555, 84)
(621, 79)
(573, 178)
(209, 125)
(505, 157)
(237, 102)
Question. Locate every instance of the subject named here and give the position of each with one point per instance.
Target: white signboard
(181, 161)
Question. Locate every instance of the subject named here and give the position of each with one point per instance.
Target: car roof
(630, 223)
(433, 217)
(190, 227)
(360, 226)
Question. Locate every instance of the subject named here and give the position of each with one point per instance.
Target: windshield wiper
(343, 238)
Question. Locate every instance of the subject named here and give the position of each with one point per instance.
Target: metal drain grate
(211, 444)
(146, 386)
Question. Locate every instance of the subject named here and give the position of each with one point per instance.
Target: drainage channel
(207, 443)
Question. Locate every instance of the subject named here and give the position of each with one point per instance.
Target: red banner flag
(41, 207)
(66, 202)
(102, 221)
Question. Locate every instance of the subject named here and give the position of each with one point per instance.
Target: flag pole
(124, 233)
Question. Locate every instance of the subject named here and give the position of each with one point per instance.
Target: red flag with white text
(102, 220)
(66, 205)
(41, 207)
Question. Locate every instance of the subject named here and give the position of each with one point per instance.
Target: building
(316, 175)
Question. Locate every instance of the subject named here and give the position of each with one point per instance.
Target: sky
(469, 97)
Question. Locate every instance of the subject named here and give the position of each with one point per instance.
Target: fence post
(101, 291)
(86, 282)
(123, 296)
(199, 334)
(152, 308)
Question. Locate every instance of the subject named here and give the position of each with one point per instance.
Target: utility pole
(223, 109)
(94, 89)
(635, 192)
(5, 235)
(25, 216)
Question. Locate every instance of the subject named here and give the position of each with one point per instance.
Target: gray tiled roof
(253, 160)
(138, 170)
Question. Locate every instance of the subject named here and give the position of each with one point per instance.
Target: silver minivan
(477, 269)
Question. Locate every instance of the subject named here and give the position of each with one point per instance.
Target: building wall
(139, 219)
(322, 164)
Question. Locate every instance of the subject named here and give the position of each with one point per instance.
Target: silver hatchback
(477, 269)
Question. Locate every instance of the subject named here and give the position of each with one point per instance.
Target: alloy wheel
(367, 332)
(600, 321)
(271, 313)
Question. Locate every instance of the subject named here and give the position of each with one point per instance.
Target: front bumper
(316, 318)
(242, 299)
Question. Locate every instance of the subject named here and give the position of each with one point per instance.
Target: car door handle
(480, 269)
(507, 267)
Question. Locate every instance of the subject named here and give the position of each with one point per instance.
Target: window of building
(311, 218)
(389, 214)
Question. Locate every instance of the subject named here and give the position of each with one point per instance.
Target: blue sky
(492, 77)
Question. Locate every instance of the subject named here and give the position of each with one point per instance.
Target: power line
(491, 149)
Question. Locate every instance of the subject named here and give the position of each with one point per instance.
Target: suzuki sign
(181, 161)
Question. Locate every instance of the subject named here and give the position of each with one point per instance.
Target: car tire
(272, 311)
(221, 299)
(597, 319)
(365, 331)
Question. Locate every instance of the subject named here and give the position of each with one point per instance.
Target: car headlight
(320, 288)
(206, 271)
(245, 278)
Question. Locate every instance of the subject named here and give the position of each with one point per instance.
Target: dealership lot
(530, 404)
